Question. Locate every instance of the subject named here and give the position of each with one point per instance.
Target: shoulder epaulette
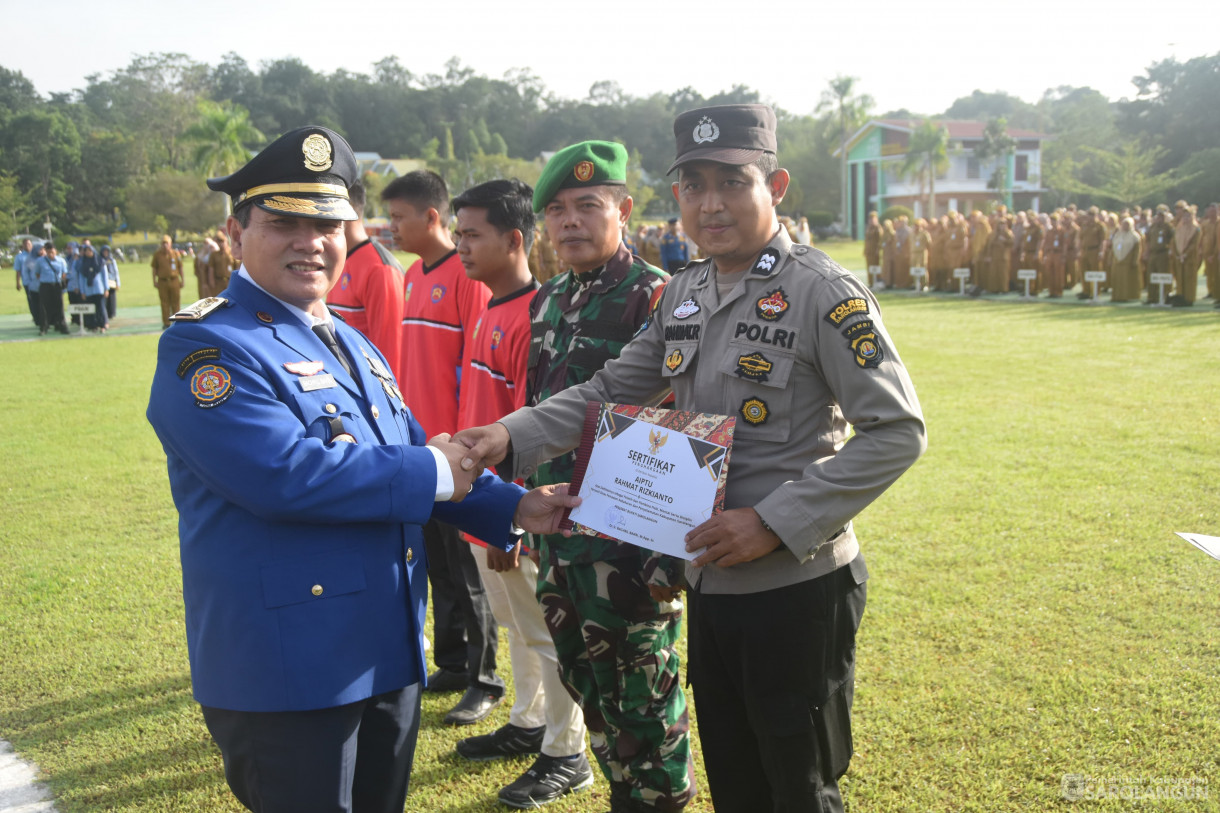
(200, 310)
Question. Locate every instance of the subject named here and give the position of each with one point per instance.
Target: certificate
(648, 476)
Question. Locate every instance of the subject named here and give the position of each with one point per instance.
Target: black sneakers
(547, 779)
(506, 741)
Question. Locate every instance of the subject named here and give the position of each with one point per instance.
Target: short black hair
(767, 164)
(423, 189)
(509, 205)
(242, 215)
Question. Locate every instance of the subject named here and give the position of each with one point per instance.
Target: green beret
(589, 163)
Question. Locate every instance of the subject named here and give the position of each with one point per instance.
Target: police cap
(589, 163)
(304, 173)
(735, 134)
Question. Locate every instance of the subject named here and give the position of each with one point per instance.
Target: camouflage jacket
(577, 324)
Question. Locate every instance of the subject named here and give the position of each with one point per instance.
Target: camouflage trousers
(617, 658)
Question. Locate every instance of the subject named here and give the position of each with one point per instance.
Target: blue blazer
(303, 564)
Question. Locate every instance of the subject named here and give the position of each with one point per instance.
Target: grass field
(1031, 614)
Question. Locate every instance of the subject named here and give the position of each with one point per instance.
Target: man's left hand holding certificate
(649, 476)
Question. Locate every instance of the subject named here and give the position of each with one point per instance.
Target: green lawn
(1031, 613)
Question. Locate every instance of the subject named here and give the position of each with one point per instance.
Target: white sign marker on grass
(1097, 278)
(961, 275)
(1028, 275)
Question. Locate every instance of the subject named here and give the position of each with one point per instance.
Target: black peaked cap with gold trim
(304, 173)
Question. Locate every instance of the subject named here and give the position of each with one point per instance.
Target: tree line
(129, 150)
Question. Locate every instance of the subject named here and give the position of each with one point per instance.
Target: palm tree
(220, 137)
(852, 112)
(927, 157)
(998, 144)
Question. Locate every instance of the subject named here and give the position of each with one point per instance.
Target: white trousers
(541, 698)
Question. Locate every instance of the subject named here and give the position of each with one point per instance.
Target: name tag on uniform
(317, 382)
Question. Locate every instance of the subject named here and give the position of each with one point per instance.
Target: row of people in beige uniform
(1060, 247)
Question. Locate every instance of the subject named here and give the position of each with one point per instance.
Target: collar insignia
(706, 131)
(766, 261)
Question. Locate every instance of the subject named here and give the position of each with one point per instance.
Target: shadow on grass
(94, 712)
(488, 777)
(119, 716)
(1073, 309)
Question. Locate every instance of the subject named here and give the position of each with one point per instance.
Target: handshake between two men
(472, 450)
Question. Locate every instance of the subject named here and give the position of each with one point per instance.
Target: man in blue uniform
(675, 253)
(301, 482)
(51, 271)
(25, 278)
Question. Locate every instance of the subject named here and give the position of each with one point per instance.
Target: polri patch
(211, 385)
(864, 343)
(766, 262)
(674, 360)
(203, 354)
(847, 308)
(754, 366)
(755, 411)
(686, 309)
(772, 306)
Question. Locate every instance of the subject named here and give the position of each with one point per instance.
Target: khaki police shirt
(798, 353)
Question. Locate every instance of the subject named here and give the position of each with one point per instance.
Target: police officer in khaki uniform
(792, 345)
(167, 278)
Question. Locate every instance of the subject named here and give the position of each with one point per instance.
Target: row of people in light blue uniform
(88, 276)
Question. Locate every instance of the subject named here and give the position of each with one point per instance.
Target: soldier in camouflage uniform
(610, 606)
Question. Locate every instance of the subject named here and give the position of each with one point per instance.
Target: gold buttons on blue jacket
(410, 555)
(376, 411)
(316, 590)
(331, 408)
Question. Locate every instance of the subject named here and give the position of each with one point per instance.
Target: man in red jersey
(441, 307)
(495, 226)
(369, 293)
